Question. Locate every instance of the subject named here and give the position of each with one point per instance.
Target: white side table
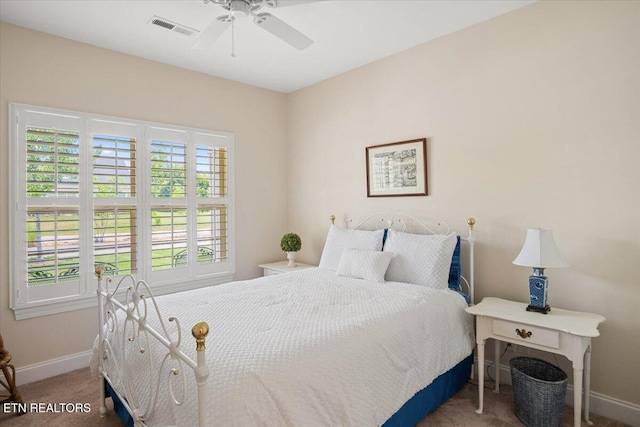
(560, 331)
(281, 267)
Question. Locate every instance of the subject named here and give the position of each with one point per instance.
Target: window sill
(89, 301)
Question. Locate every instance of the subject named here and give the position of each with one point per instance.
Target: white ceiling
(346, 33)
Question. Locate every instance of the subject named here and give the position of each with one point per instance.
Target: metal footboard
(137, 333)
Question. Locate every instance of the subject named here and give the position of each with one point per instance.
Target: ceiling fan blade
(210, 34)
(282, 30)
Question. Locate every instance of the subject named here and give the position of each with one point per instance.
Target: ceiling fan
(244, 8)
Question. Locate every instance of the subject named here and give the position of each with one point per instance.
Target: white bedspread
(310, 348)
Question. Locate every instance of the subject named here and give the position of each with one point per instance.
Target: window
(138, 198)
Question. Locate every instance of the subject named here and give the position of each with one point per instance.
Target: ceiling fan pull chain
(233, 39)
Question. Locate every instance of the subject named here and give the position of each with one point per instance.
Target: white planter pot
(291, 256)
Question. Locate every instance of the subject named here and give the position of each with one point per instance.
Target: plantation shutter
(211, 198)
(48, 178)
(115, 158)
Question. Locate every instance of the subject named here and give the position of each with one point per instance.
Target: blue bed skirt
(415, 409)
(429, 398)
(118, 407)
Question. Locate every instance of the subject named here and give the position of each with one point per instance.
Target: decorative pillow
(456, 268)
(340, 239)
(421, 259)
(367, 265)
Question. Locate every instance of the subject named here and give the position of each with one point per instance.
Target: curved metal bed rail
(137, 333)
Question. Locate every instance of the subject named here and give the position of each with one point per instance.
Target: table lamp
(540, 252)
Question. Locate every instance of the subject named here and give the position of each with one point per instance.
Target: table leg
(496, 358)
(587, 384)
(480, 377)
(577, 396)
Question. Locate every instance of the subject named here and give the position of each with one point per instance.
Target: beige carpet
(79, 387)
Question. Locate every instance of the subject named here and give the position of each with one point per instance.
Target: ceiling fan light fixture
(240, 8)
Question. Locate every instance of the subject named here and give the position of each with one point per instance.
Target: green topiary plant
(291, 242)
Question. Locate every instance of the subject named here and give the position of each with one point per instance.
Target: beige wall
(43, 70)
(532, 120)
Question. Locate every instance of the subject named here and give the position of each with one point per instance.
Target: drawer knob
(523, 333)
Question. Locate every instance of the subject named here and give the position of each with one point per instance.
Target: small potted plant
(291, 244)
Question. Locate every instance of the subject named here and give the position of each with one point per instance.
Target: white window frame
(84, 289)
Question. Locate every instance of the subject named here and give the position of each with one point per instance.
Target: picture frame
(397, 169)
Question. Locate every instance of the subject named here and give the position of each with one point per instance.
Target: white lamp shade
(540, 250)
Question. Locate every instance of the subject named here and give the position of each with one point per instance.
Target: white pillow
(367, 265)
(340, 239)
(421, 259)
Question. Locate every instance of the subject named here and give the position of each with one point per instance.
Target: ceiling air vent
(165, 23)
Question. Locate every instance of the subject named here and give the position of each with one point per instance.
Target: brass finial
(471, 222)
(100, 271)
(333, 219)
(199, 332)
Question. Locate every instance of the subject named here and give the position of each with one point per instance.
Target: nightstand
(560, 331)
(281, 267)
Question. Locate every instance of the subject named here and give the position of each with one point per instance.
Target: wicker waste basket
(538, 391)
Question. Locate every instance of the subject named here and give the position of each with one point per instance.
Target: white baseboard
(616, 409)
(53, 367)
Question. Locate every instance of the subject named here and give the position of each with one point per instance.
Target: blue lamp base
(538, 292)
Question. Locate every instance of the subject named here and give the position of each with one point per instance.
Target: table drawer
(532, 334)
(269, 272)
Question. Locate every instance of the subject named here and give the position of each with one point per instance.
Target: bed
(374, 336)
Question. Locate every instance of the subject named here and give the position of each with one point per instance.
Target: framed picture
(397, 169)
